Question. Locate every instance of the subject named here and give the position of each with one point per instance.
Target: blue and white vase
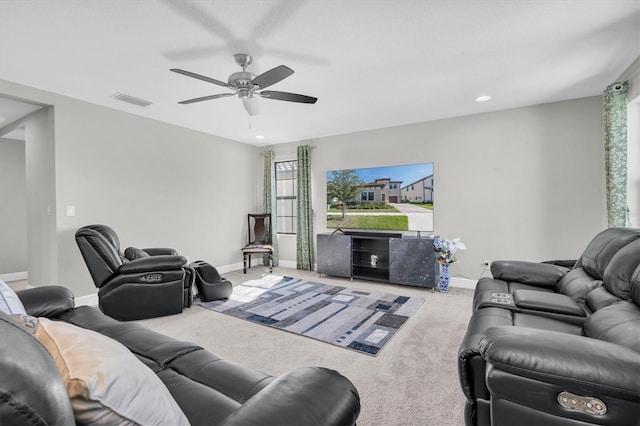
(444, 278)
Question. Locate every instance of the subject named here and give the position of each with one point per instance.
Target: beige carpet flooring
(412, 381)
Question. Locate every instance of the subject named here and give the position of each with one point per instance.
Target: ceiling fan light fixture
(251, 105)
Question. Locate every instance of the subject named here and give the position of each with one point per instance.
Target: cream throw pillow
(9, 301)
(106, 383)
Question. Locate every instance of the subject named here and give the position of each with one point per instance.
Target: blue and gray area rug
(354, 319)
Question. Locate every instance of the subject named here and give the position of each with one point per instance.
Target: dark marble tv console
(379, 256)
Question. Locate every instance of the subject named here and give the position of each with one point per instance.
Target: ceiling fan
(247, 85)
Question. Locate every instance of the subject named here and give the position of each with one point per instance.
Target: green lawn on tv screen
(390, 223)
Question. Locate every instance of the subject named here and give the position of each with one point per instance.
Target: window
(367, 196)
(286, 196)
(393, 186)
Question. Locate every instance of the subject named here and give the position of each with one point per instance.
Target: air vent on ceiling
(131, 99)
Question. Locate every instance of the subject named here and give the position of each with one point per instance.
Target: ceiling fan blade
(251, 105)
(206, 98)
(200, 77)
(286, 96)
(272, 76)
(197, 13)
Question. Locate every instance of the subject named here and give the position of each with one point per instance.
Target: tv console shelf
(378, 256)
(370, 257)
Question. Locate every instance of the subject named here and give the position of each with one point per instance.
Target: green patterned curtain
(615, 153)
(269, 201)
(304, 224)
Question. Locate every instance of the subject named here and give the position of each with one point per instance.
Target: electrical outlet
(486, 263)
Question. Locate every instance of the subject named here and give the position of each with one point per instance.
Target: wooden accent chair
(259, 239)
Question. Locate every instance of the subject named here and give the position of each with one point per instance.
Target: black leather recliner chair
(136, 284)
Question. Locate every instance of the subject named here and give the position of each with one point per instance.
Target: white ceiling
(371, 63)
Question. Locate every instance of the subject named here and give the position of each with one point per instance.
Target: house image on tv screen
(420, 191)
(379, 198)
(383, 190)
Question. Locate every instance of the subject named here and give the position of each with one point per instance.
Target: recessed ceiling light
(483, 98)
(259, 137)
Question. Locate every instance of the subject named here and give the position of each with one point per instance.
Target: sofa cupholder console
(530, 300)
(501, 298)
(496, 299)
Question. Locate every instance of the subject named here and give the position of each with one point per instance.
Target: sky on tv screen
(408, 173)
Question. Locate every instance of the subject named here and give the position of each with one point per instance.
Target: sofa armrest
(152, 264)
(471, 366)
(567, 263)
(46, 301)
(532, 273)
(598, 368)
(304, 396)
(545, 301)
(158, 251)
(31, 390)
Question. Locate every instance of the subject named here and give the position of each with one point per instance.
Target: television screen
(397, 198)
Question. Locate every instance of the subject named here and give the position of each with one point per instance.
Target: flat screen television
(391, 198)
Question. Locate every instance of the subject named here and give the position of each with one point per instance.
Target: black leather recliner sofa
(209, 390)
(522, 282)
(137, 283)
(551, 290)
(568, 355)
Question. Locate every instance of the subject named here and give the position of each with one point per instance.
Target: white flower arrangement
(446, 249)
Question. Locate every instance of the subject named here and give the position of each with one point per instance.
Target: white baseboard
(14, 276)
(460, 282)
(229, 268)
(288, 264)
(238, 266)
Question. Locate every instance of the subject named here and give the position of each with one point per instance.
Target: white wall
(41, 197)
(13, 207)
(156, 184)
(524, 183)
